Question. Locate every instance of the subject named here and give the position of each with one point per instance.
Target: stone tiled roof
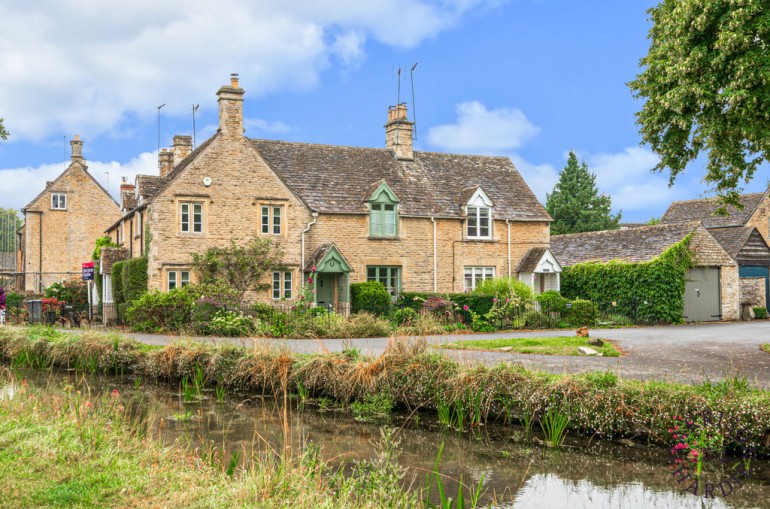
(333, 179)
(631, 245)
(531, 259)
(317, 256)
(703, 210)
(732, 238)
(148, 185)
(744, 243)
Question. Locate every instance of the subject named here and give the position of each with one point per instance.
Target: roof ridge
(681, 224)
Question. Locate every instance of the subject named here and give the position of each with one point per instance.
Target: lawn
(560, 345)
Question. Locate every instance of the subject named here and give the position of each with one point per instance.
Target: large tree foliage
(706, 86)
(3, 133)
(575, 203)
(239, 267)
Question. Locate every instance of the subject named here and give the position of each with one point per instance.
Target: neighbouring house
(61, 223)
(744, 233)
(416, 221)
(712, 287)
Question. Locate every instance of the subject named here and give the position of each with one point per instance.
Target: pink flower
(115, 394)
(676, 428)
(310, 280)
(88, 404)
(494, 300)
(312, 269)
(465, 307)
(507, 300)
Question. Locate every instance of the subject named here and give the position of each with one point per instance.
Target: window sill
(479, 239)
(384, 238)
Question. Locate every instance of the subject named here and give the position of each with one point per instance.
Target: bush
(370, 297)
(365, 325)
(413, 300)
(582, 313)
(117, 283)
(133, 275)
(230, 323)
(158, 311)
(552, 302)
(504, 286)
(479, 303)
(72, 291)
(405, 316)
(538, 320)
(760, 312)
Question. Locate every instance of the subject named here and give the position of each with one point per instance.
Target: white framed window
(474, 275)
(271, 219)
(59, 201)
(177, 279)
(191, 217)
(390, 276)
(282, 285)
(479, 221)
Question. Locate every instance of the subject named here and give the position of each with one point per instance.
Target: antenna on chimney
(414, 106)
(398, 97)
(159, 107)
(194, 108)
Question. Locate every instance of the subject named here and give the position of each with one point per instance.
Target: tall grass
(414, 377)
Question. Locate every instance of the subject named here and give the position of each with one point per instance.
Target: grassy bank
(766, 348)
(413, 377)
(65, 449)
(561, 345)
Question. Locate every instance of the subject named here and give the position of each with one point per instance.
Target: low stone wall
(753, 291)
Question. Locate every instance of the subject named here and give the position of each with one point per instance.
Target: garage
(702, 300)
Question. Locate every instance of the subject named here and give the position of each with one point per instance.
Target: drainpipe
(40, 244)
(508, 224)
(302, 236)
(435, 261)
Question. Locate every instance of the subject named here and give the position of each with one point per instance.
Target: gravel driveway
(684, 353)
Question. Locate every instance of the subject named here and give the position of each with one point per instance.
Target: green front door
(325, 283)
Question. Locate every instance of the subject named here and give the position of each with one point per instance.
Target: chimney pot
(77, 149)
(234, 80)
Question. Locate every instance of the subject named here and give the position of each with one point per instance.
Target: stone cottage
(61, 224)
(712, 287)
(744, 233)
(416, 221)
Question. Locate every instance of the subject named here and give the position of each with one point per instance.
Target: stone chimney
(127, 196)
(77, 149)
(182, 147)
(165, 162)
(398, 132)
(231, 108)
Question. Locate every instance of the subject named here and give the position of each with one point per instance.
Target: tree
(9, 223)
(575, 203)
(239, 267)
(3, 133)
(705, 82)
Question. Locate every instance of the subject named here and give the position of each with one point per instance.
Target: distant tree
(705, 88)
(575, 203)
(9, 223)
(239, 267)
(3, 133)
(653, 220)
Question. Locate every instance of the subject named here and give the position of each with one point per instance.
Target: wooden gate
(702, 299)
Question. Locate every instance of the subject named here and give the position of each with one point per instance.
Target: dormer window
(478, 210)
(383, 212)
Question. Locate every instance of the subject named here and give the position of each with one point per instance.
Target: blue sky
(529, 79)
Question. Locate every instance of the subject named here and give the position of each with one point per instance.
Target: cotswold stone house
(61, 224)
(416, 221)
(712, 287)
(744, 233)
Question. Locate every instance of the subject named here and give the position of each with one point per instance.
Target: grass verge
(561, 345)
(766, 348)
(411, 376)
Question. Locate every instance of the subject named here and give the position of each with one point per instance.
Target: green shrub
(370, 297)
(503, 286)
(133, 275)
(158, 311)
(263, 311)
(538, 320)
(552, 302)
(71, 291)
(118, 297)
(413, 300)
(760, 312)
(230, 323)
(405, 316)
(479, 303)
(582, 313)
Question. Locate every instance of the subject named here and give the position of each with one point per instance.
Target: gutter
(435, 261)
(302, 237)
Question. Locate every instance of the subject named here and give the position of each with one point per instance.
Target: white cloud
(541, 178)
(22, 185)
(483, 131)
(80, 66)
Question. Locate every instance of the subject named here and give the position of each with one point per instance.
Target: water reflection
(516, 472)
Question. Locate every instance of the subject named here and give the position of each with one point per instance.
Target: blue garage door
(758, 271)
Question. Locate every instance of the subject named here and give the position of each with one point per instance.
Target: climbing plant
(653, 290)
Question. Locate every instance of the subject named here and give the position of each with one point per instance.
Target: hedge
(479, 303)
(118, 297)
(656, 286)
(370, 296)
(134, 278)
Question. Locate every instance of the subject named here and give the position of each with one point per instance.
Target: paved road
(685, 353)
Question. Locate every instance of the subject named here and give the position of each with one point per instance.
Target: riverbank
(68, 449)
(413, 377)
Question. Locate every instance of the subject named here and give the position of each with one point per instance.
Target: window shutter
(389, 221)
(376, 220)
